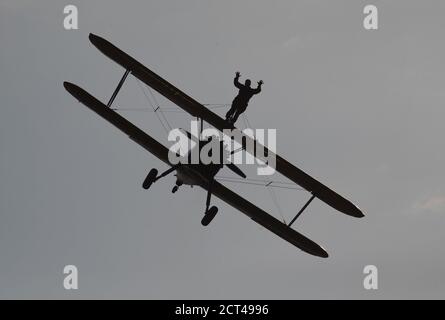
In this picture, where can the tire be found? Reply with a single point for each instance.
(150, 179)
(209, 216)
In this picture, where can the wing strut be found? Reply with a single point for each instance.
(119, 86)
(301, 210)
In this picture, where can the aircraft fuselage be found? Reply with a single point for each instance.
(196, 174)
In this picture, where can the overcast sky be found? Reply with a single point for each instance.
(362, 111)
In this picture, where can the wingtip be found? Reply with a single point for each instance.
(315, 249)
(352, 210)
(359, 213)
(322, 253)
(73, 90)
(69, 86)
(94, 39)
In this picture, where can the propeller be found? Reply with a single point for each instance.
(231, 166)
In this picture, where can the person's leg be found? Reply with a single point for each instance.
(229, 113)
(233, 109)
(236, 115)
(238, 112)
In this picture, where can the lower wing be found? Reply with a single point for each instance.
(220, 191)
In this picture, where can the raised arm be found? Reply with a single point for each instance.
(258, 89)
(236, 82)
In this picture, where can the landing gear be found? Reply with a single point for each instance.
(209, 213)
(176, 187)
(152, 177)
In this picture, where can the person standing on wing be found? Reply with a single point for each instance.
(239, 104)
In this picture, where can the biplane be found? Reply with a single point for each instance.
(203, 175)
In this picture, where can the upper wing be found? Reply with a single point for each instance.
(154, 81)
(120, 122)
(196, 109)
(266, 220)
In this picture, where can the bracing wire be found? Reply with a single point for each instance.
(277, 204)
(269, 185)
(154, 109)
(246, 120)
(246, 124)
(158, 107)
(163, 108)
(263, 183)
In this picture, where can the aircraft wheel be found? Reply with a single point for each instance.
(209, 215)
(175, 188)
(151, 177)
(212, 211)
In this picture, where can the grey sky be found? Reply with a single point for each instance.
(362, 111)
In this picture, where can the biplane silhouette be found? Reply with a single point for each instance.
(203, 175)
